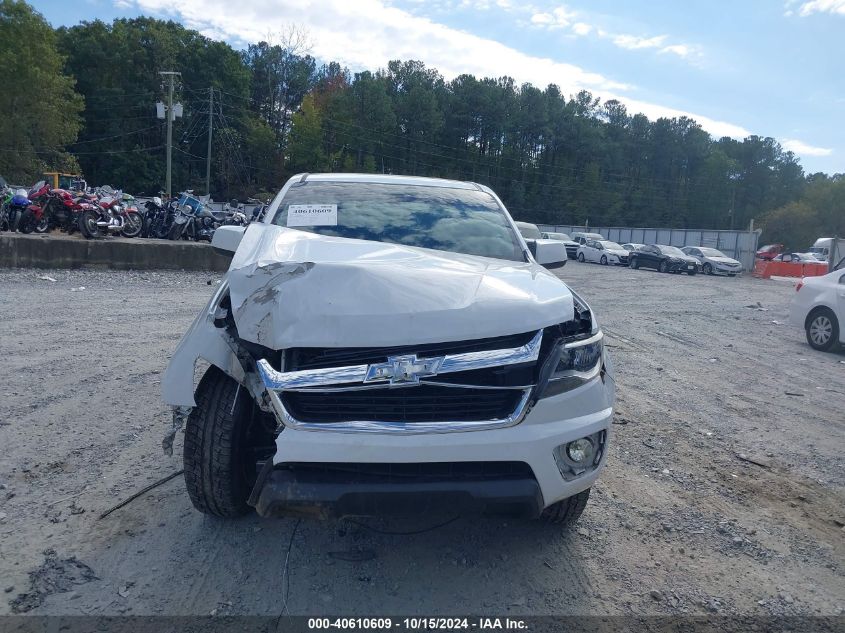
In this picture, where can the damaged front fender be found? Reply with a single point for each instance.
(202, 341)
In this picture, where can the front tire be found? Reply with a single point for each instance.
(604, 260)
(634, 263)
(707, 269)
(88, 224)
(822, 329)
(133, 224)
(581, 257)
(175, 231)
(664, 267)
(26, 224)
(217, 452)
(567, 511)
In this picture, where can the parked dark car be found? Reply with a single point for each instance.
(666, 259)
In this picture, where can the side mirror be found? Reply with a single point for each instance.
(549, 253)
(226, 239)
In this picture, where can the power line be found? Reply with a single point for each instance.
(59, 151)
(107, 138)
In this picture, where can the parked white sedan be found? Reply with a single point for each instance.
(713, 261)
(604, 252)
(819, 308)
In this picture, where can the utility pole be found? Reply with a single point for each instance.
(171, 75)
(208, 160)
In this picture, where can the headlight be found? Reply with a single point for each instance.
(579, 361)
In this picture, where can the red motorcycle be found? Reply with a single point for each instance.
(61, 209)
(34, 218)
(109, 216)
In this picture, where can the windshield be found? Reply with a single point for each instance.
(672, 250)
(816, 249)
(529, 231)
(447, 219)
(611, 246)
(711, 252)
(559, 236)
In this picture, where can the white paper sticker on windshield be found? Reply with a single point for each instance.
(312, 215)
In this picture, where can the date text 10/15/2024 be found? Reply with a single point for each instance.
(419, 623)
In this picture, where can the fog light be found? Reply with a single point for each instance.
(580, 451)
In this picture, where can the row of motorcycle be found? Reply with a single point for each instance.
(106, 211)
(188, 218)
(99, 212)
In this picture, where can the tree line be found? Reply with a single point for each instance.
(89, 104)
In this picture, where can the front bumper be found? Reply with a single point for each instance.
(552, 422)
(336, 494)
(721, 269)
(683, 267)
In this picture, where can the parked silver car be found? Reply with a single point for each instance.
(713, 261)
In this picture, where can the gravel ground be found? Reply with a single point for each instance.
(707, 369)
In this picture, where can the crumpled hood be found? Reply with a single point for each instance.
(291, 288)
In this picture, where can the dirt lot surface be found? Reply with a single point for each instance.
(707, 370)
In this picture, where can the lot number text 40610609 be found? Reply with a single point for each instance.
(419, 623)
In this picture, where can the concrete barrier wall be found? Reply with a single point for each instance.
(766, 269)
(61, 251)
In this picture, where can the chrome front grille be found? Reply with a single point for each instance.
(410, 391)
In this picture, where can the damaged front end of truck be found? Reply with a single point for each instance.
(356, 377)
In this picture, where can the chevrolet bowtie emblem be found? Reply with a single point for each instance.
(404, 369)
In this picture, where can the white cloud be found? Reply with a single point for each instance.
(799, 147)
(681, 50)
(632, 42)
(836, 7)
(366, 34)
(580, 28)
(557, 18)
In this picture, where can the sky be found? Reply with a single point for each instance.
(765, 67)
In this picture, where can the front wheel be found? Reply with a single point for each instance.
(133, 224)
(581, 257)
(88, 224)
(822, 330)
(567, 511)
(634, 263)
(175, 231)
(42, 225)
(223, 442)
(664, 267)
(27, 222)
(707, 269)
(603, 260)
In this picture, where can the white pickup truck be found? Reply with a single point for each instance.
(391, 345)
